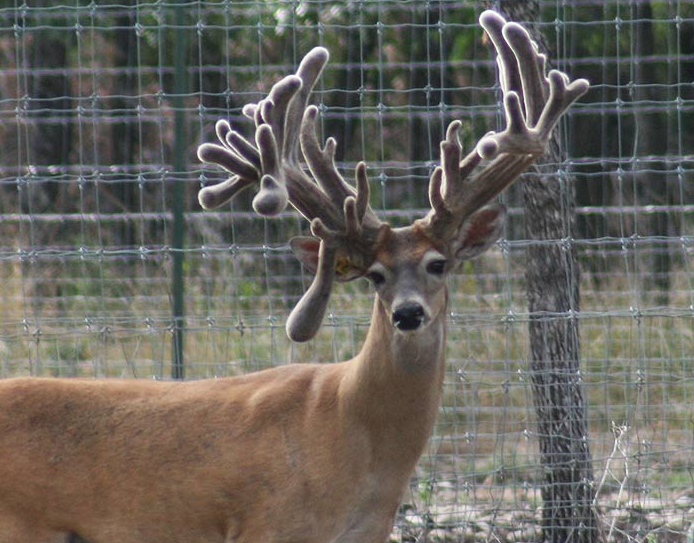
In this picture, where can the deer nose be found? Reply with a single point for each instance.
(408, 316)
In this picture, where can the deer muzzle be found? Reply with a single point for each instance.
(409, 316)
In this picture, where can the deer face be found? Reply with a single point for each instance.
(409, 268)
(409, 276)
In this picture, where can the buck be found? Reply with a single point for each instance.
(303, 453)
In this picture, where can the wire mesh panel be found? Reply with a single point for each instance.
(89, 124)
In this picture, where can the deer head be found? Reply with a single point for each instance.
(349, 240)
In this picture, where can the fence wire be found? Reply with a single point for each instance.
(88, 164)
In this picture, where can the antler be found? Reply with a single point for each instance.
(532, 104)
(341, 218)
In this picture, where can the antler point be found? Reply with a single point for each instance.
(514, 31)
(206, 199)
(320, 52)
(490, 19)
(201, 152)
(222, 128)
(249, 110)
(452, 130)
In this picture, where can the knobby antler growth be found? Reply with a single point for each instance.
(340, 215)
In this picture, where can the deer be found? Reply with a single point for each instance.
(299, 453)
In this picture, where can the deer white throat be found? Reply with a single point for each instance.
(420, 350)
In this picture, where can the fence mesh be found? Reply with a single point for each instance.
(89, 121)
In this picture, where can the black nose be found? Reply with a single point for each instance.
(408, 317)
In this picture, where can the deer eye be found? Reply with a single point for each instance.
(436, 267)
(376, 278)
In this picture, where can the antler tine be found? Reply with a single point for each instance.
(533, 105)
(531, 66)
(509, 77)
(309, 70)
(562, 94)
(521, 65)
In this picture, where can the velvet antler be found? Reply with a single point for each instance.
(533, 105)
(285, 132)
(340, 216)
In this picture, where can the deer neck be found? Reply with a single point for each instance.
(411, 356)
(394, 384)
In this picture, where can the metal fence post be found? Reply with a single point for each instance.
(178, 285)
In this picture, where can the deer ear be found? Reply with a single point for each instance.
(306, 248)
(479, 232)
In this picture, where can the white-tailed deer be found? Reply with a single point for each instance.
(301, 453)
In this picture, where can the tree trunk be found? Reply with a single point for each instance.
(552, 274)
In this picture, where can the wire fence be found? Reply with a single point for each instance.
(97, 172)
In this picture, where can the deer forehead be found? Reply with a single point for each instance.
(403, 246)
